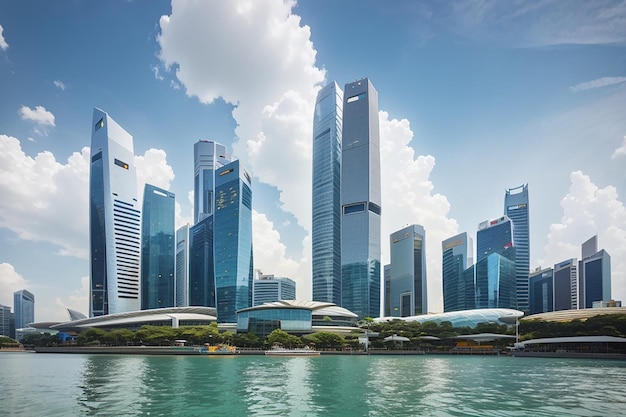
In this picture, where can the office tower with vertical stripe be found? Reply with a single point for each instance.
(458, 279)
(208, 156)
(516, 208)
(408, 292)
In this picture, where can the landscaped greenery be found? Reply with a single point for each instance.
(604, 325)
(7, 342)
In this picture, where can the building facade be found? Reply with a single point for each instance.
(516, 208)
(541, 286)
(268, 288)
(566, 285)
(594, 271)
(387, 290)
(326, 226)
(157, 248)
(181, 271)
(201, 290)
(495, 265)
(360, 200)
(233, 241)
(23, 308)
(208, 156)
(114, 220)
(458, 279)
(408, 293)
(7, 322)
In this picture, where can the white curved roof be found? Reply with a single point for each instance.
(575, 339)
(465, 317)
(318, 308)
(582, 314)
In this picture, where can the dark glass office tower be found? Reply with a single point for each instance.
(23, 308)
(566, 285)
(408, 290)
(157, 248)
(114, 220)
(458, 279)
(233, 241)
(594, 275)
(326, 226)
(516, 209)
(360, 200)
(201, 264)
(495, 265)
(541, 286)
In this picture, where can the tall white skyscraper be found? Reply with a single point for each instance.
(114, 220)
(208, 156)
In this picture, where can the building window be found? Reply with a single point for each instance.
(354, 208)
(121, 164)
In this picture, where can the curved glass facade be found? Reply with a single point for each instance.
(326, 226)
(467, 318)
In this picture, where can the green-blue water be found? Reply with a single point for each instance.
(114, 385)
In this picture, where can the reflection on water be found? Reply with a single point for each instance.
(112, 385)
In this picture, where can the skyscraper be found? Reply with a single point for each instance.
(408, 295)
(157, 248)
(23, 308)
(233, 241)
(114, 220)
(326, 227)
(360, 200)
(458, 279)
(268, 288)
(201, 264)
(181, 277)
(541, 287)
(7, 322)
(516, 209)
(387, 290)
(565, 285)
(208, 156)
(495, 265)
(594, 274)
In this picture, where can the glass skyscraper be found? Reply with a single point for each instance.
(360, 200)
(7, 322)
(157, 248)
(114, 220)
(458, 279)
(268, 288)
(566, 285)
(541, 286)
(516, 209)
(408, 295)
(23, 308)
(208, 156)
(326, 227)
(181, 273)
(201, 264)
(495, 265)
(233, 241)
(594, 275)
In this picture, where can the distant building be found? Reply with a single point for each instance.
(157, 248)
(387, 294)
(516, 208)
(408, 295)
(114, 220)
(458, 278)
(268, 288)
(201, 264)
(566, 285)
(7, 322)
(541, 291)
(181, 274)
(360, 200)
(23, 308)
(233, 241)
(208, 157)
(495, 265)
(594, 279)
(606, 304)
(326, 226)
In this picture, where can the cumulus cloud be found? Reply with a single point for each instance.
(589, 210)
(60, 84)
(3, 43)
(152, 168)
(620, 151)
(10, 281)
(78, 300)
(273, 102)
(39, 115)
(408, 197)
(597, 83)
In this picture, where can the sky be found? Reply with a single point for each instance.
(475, 97)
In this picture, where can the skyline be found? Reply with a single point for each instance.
(528, 93)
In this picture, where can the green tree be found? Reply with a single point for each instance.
(327, 340)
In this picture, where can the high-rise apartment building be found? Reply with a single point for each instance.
(326, 226)
(181, 272)
(541, 287)
(495, 264)
(408, 295)
(360, 200)
(201, 264)
(565, 285)
(23, 308)
(268, 288)
(114, 220)
(208, 157)
(157, 248)
(594, 274)
(458, 278)
(516, 209)
(233, 241)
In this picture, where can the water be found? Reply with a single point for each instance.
(116, 385)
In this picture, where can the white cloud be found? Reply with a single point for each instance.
(157, 72)
(79, 300)
(10, 281)
(60, 84)
(3, 43)
(589, 210)
(408, 198)
(620, 151)
(152, 168)
(600, 82)
(39, 115)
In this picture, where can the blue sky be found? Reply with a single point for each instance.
(475, 97)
